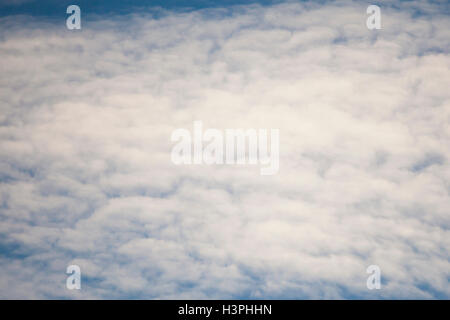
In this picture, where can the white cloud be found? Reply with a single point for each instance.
(86, 175)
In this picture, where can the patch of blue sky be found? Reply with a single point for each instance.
(53, 8)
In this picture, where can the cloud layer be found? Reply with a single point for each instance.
(86, 176)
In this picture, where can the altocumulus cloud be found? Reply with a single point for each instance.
(86, 176)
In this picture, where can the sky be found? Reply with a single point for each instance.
(86, 176)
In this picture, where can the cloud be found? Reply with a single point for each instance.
(86, 177)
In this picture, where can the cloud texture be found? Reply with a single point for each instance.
(86, 177)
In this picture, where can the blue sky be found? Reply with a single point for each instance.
(86, 175)
(54, 7)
